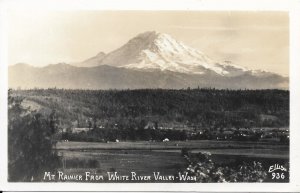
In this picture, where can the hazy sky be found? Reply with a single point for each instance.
(257, 40)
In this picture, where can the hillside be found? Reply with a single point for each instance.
(203, 108)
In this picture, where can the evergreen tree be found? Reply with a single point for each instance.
(30, 151)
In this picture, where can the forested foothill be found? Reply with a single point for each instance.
(156, 114)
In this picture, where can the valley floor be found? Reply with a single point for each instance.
(144, 157)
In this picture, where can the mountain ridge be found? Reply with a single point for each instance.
(148, 60)
(109, 77)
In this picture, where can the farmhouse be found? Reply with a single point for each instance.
(79, 130)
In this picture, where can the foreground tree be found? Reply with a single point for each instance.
(30, 151)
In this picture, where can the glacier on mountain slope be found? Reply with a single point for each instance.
(159, 51)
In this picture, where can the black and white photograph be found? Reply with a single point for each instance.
(148, 97)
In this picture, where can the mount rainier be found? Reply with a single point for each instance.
(149, 60)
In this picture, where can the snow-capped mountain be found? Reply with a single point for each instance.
(152, 50)
(149, 60)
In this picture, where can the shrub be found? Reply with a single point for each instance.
(205, 170)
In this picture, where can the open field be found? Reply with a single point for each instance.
(124, 162)
(260, 149)
(145, 157)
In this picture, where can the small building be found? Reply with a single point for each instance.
(79, 130)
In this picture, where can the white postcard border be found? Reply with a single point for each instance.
(293, 7)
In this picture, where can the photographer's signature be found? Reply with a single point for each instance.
(275, 167)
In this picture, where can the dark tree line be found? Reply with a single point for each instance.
(127, 134)
(203, 107)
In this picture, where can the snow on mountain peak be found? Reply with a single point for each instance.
(153, 50)
(161, 51)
